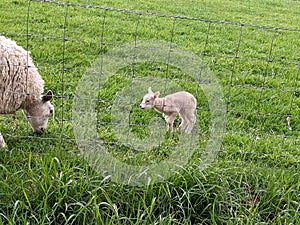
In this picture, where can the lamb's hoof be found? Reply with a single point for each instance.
(2, 142)
(3, 145)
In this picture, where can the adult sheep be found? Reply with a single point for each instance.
(21, 87)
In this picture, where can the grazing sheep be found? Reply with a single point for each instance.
(182, 103)
(21, 87)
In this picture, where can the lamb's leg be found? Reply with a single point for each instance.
(170, 120)
(191, 123)
(184, 121)
(2, 142)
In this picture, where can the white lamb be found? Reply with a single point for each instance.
(182, 103)
(21, 87)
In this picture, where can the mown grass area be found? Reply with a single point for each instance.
(252, 48)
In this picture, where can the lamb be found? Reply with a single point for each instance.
(21, 87)
(182, 103)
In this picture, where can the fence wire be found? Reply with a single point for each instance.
(257, 65)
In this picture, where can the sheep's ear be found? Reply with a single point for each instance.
(156, 94)
(150, 91)
(47, 97)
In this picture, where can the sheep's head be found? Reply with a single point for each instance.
(149, 99)
(38, 113)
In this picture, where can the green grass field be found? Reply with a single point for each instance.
(251, 47)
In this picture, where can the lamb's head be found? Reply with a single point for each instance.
(149, 99)
(38, 113)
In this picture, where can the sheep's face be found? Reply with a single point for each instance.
(149, 100)
(38, 114)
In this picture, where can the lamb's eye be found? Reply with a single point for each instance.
(51, 111)
(147, 101)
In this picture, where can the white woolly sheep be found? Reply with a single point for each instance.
(182, 103)
(21, 87)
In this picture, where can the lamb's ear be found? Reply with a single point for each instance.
(156, 94)
(47, 97)
(150, 91)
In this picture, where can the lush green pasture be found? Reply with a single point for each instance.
(251, 47)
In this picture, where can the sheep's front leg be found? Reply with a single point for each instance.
(2, 142)
(170, 120)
